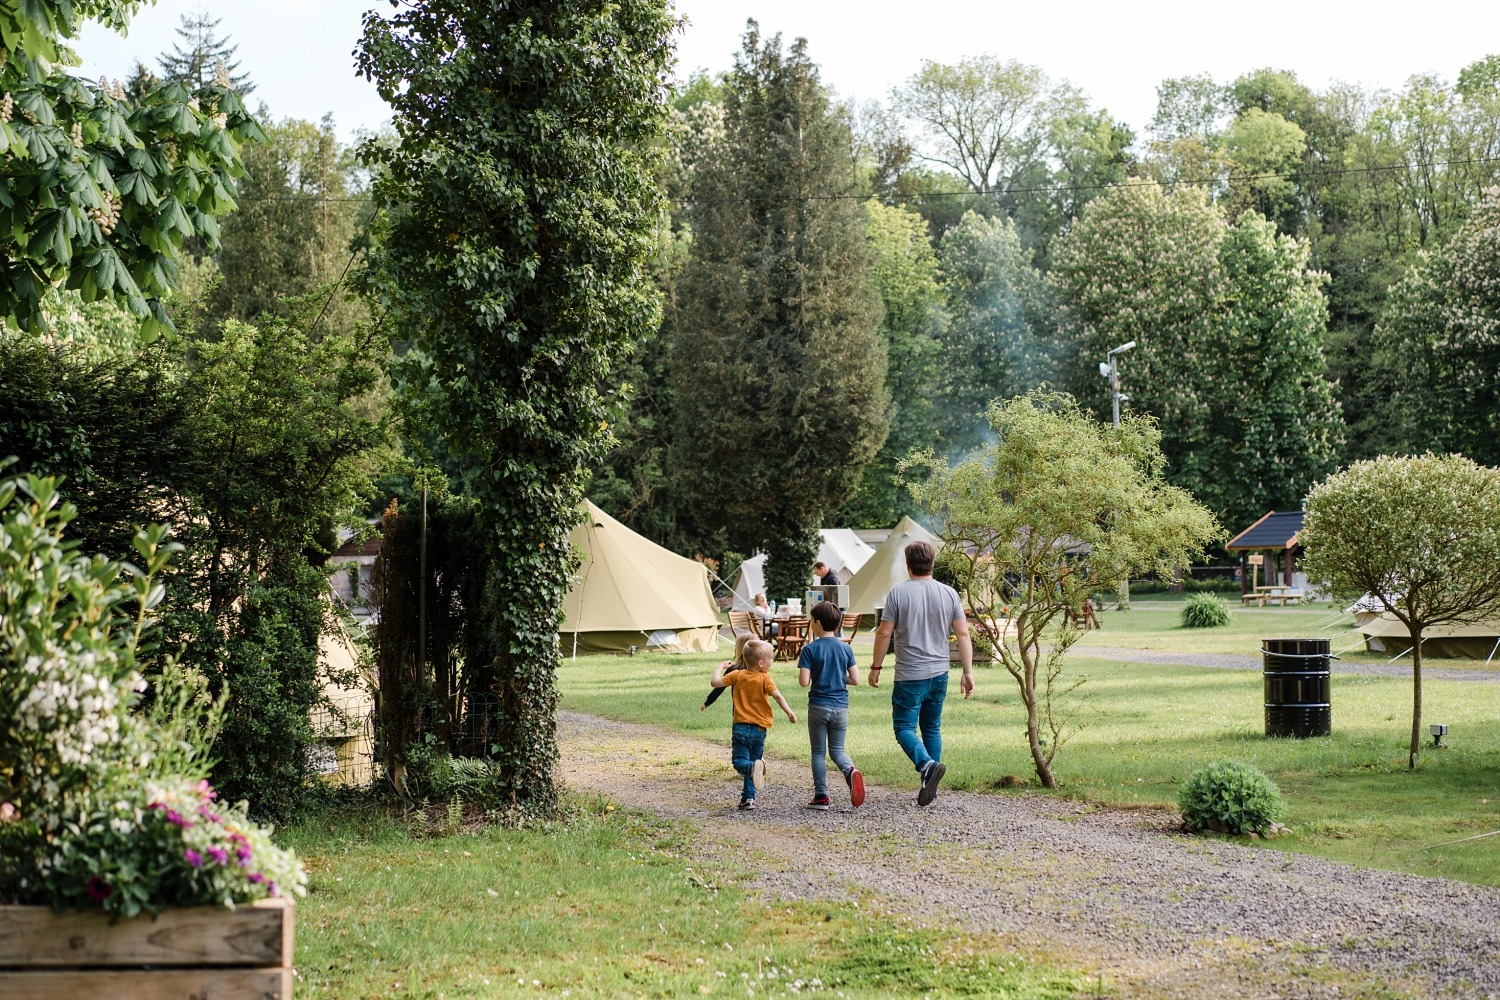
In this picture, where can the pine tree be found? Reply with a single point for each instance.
(203, 56)
(778, 361)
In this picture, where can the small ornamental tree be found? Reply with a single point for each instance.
(1057, 507)
(1421, 535)
(98, 191)
(520, 212)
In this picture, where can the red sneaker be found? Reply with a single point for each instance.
(822, 802)
(856, 787)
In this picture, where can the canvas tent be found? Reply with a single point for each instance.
(629, 591)
(840, 548)
(1384, 633)
(886, 567)
(843, 551)
(344, 728)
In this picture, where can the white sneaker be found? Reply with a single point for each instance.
(758, 775)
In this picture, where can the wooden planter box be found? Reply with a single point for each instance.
(202, 953)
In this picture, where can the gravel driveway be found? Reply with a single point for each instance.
(1144, 910)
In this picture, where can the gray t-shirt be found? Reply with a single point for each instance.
(924, 612)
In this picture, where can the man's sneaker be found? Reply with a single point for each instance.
(746, 802)
(822, 802)
(931, 775)
(758, 775)
(856, 787)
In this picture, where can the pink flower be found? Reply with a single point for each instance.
(243, 853)
(219, 855)
(256, 877)
(206, 790)
(173, 816)
(273, 889)
(193, 858)
(8, 813)
(98, 889)
(209, 814)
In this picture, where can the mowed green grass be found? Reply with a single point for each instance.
(1143, 729)
(1153, 623)
(604, 905)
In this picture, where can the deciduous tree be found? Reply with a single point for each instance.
(1059, 507)
(1419, 535)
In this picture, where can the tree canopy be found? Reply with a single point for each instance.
(1420, 536)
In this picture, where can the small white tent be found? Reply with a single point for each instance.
(748, 580)
(629, 591)
(843, 551)
(886, 567)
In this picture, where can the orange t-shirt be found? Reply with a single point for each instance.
(752, 696)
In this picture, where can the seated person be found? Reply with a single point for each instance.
(762, 610)
(825, 576)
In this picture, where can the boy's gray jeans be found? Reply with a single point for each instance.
(827, 727)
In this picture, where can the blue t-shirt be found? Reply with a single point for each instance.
(827, 659)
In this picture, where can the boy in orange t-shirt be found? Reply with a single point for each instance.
(752, 695)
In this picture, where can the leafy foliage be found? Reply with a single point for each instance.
(100, 192)
(778, 364)
(1204, 611)
(1419, 535)
(103, 801)
(1228, 323)
(520, 209)
(1232, 797)
(1015, 518)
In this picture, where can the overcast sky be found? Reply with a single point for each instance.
(298, 51)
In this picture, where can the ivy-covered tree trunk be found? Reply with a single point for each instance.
(519, 211)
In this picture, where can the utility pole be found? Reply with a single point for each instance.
(1110, 369)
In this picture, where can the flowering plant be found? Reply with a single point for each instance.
(103, 801)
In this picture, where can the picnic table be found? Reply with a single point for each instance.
(1280, 594)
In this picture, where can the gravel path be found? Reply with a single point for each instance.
(1146, 911)
(1235, 661)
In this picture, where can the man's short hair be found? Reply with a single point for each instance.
(820, 566)
(828, 615)
(919, 558)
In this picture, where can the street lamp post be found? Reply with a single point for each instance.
(1110, 369)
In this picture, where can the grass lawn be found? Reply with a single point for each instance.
(1153, 623)
(606, 905)
(1148, 726)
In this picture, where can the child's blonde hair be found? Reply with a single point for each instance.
(740, 641)
(757, 655)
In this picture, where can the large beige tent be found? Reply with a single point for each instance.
(1384, 633)
(887, 567)
(629, 591)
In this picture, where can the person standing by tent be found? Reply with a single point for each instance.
(916, 620)
(825, 576)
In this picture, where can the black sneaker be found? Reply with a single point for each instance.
(822, 802)
(931, 775)
(746, 802)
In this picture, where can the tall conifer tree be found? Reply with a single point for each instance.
(779, 364)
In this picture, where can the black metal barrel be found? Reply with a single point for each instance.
(1299, 687)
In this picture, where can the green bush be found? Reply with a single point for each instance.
(1230, 797)
(1204, 611)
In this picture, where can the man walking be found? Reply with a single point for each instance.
(918, 616)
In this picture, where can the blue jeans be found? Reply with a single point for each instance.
(919, 704)
(827, 725)
(749, 742)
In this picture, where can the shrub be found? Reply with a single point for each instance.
(103, 799)
(1230, 797)
(1204, 611)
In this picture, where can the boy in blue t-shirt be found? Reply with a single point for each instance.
(826, 667)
